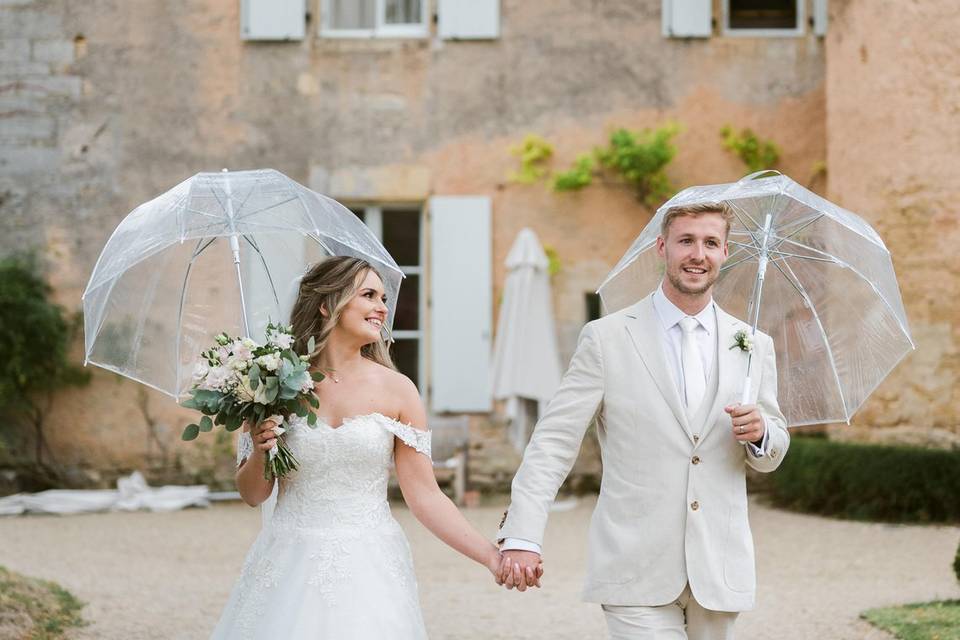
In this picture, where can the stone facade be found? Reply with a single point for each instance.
(104, 105)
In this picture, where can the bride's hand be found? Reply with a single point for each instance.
(263, 436)
(494, 563)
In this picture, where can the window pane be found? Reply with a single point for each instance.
(592, 301)
(408, 305)
(352, 14)
(763, 14)
(401, 236)
(403, 12)
(406, 355)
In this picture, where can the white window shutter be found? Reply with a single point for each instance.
(461, 300)
(820, 17)
(469, 19)
(687, 18)
(273, 19)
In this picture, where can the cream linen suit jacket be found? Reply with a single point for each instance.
(672, 508)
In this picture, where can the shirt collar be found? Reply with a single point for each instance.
(670, 314)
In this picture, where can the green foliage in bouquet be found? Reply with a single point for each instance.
(239, 380)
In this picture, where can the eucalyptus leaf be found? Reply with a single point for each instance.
(317, 376)
(254, 377)
(311, 344)
(206, 424)
(190, 432)
(314, 401)
(312, 419)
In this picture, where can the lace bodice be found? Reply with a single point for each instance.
(343, 474)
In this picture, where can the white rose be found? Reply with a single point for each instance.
(237, 363)
(270, 361)
(243, 390)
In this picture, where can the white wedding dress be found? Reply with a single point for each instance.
(332, 563)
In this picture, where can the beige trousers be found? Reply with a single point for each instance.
(683, 619)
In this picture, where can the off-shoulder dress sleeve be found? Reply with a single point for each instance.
(410, 436)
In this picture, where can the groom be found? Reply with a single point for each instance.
(670, 550)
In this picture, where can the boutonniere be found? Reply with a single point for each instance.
(741, 340)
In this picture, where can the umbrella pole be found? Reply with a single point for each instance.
(235, 249)
(755, 302)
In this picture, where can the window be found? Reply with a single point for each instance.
(375, 19)
(763, 17)
(592, 303)
(400, 231)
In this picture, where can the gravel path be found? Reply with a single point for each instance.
(147, 576)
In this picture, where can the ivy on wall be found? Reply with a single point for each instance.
(756, 153)
(636, 159)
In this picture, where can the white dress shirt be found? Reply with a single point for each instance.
(706, 335)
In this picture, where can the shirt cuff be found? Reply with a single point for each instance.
(516, 544)
(761, 451)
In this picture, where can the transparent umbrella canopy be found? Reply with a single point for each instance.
(814, 276)
(219, 252)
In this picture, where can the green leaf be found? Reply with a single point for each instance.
(254, 377)
(301, 411)
(314, 401)
(317, 376)
(311, 345)
(191, 403)
(190, 432)
(312, 419)
(233, 421)
(206, 424)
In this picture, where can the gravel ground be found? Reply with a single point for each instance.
(147, 575)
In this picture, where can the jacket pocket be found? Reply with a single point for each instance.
(739, 571)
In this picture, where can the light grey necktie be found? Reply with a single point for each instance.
(694, 380)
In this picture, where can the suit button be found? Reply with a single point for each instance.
(694, 505)
(696, 439)
(695, 460)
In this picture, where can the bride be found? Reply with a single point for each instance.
(332, 562)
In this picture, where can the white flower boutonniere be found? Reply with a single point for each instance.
(741, 340)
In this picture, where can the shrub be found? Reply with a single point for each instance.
(869, 482)
(534, 153)
(35, 338)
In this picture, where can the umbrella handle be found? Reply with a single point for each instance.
(745, 396)
(757, 174)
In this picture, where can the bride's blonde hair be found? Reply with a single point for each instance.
(331, 284)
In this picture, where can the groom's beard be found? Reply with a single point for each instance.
(676, 280)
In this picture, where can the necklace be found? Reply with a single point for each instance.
(332, 374)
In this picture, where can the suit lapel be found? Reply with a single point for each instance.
(647, 336)
(731, 367)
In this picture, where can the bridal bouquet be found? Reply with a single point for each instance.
(238, 379)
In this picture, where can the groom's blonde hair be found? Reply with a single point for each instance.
(696, 210)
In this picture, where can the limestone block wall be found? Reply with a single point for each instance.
(105, 104)
(893, 139)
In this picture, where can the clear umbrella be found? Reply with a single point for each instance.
(218, 252)
(814, 276)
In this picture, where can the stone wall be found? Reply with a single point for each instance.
(105, 104)
(893, 138)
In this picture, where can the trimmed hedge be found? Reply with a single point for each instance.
(869, 482)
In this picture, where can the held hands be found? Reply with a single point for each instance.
(520, 569)
(748, 425)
